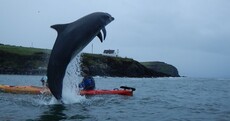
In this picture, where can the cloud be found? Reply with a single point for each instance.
(187, 34)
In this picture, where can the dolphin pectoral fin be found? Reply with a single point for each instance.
(100, 36)
(59, 27)
(104, 32)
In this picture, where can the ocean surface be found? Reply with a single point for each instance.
(155, 99)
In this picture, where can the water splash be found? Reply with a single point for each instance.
(70, 92)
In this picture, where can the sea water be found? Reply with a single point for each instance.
(155, 99)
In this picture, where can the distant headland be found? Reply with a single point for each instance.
(33, 61)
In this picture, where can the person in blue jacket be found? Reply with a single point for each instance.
(88, 82)
(44, 81)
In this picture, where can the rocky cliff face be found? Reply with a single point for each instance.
(12, 61)
(162, 67)
(24, 60)
(116, 67)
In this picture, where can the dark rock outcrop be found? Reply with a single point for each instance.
(162, 67)
(100, 65)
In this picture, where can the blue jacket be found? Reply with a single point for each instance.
(88, 83)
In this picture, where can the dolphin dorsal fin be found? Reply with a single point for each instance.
(59, 27)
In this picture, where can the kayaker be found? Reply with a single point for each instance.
(88, 82)
(45, 85)
(44, 81)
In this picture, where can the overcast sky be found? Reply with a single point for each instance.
(192, 35)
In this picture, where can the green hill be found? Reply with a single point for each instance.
(26, 60)
(23, 51)
(23, 60)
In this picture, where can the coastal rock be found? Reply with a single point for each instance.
(100, 65)
(162, 67)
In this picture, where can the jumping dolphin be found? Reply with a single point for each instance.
(71, 39)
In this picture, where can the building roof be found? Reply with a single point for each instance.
(109, 51)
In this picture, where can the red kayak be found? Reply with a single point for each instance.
(128, 91)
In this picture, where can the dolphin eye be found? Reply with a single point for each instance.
(106, 17)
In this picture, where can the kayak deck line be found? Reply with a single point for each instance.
(127, 91)
(101, 92)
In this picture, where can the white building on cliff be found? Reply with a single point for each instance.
(111, 53)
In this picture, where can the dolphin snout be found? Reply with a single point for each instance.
(111, 18)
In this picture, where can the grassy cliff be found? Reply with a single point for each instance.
(26, 60)
(23, 60)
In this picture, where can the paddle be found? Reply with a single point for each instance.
(129, 88)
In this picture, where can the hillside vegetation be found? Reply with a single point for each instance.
(25, 60)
